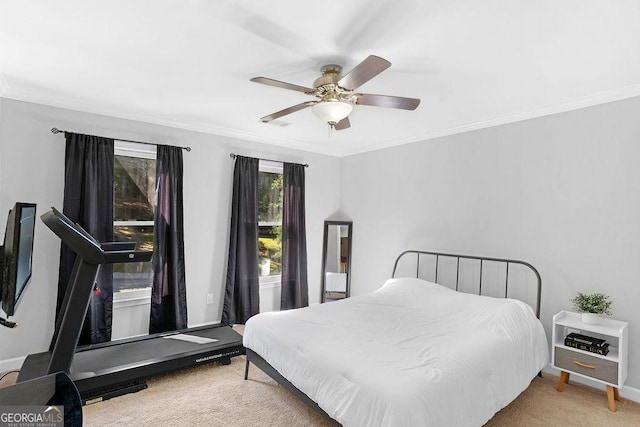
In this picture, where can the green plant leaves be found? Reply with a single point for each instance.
(592, 303)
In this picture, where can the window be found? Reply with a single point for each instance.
(134, 192)
(270, 221)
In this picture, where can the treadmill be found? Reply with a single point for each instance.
(105, 370)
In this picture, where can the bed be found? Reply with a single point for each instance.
(413, 352)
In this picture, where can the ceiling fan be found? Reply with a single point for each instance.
(335, 93)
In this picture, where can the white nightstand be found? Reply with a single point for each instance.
(610, 370)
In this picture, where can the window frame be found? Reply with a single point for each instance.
(270, 167)
(141, 151)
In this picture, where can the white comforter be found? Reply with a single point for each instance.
(412, 353)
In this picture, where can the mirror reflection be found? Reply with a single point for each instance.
(336, 260)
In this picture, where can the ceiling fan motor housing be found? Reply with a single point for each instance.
(326, 86)
(331, 73)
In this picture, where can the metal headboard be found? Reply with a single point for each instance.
(478, 258)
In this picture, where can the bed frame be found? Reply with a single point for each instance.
(257, 360)
(506, 262)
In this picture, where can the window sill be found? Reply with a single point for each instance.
(132, 298)
(270, 282)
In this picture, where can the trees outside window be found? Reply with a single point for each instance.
(270, 221)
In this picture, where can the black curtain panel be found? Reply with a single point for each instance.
(88, 201)
(169, 295)
(241, 299)
(295, 289)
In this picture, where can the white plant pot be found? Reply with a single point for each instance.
(590, 318)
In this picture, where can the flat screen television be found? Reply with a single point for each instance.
(16, 254)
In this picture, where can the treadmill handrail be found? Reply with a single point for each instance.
(118, 246)
(113, 257)
(87, 249)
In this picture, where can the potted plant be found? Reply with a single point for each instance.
(592, 306)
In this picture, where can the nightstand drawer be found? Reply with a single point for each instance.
(594, 367)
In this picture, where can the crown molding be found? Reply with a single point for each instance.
(81, 106)
(84, 107)
(583, 102)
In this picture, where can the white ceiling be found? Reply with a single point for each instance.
(187, 64)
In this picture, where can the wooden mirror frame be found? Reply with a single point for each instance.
(349, 225)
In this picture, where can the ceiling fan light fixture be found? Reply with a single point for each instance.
(332, 111)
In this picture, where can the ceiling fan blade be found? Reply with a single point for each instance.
(343, 124)
(375, 23)
(363, 72)
(387, 101)
(286, 111)
(283, 85)
(269, 29)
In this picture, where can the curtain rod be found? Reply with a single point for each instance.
(56, 131)
(234, 155)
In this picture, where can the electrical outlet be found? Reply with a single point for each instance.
(209, 299)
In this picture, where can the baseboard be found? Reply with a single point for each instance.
(11, 364)
(626, 392)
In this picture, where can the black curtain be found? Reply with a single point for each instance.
(88, 201)
(295, 289)
(241, 298)
(169, 295)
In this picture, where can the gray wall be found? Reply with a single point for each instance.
(562, 192)
(32, 169)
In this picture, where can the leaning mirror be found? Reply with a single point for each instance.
(336, 260)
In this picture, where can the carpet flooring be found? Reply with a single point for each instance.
(217, 395)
